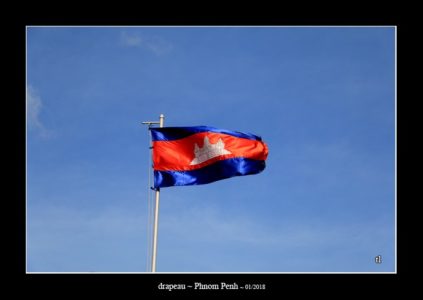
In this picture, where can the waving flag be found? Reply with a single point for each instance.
(203, 154)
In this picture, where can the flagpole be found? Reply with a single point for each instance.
(156, 217)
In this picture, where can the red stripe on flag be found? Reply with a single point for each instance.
(179, 155)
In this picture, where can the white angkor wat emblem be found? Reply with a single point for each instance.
(208, 151)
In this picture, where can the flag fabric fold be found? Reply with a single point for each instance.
(203, 154)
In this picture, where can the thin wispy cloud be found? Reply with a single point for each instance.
(158, 45)
(288, 241)
(34, 108)
(131, 40)
(154, 44)
(247, 230)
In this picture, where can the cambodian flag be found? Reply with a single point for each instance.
(203, 154)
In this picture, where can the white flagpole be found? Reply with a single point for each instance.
(156, 218)
(156, 208)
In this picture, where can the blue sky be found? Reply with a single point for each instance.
(322, 98)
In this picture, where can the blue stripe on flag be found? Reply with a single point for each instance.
(176, 133)
(220, 170)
